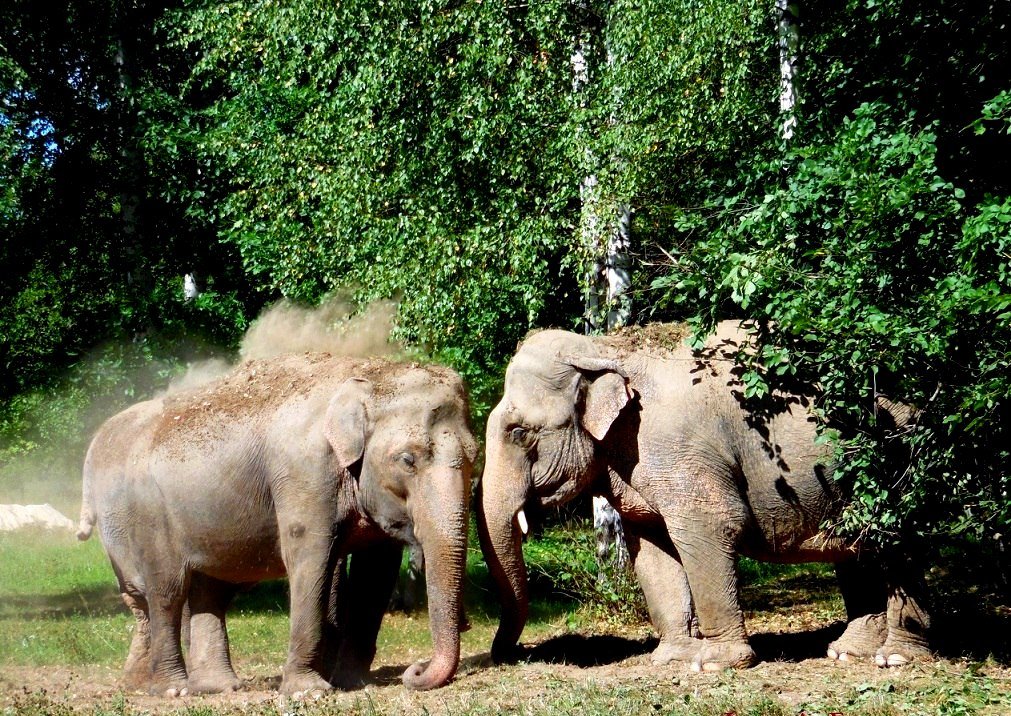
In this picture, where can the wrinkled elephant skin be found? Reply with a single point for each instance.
(309, 466)
(699, 475)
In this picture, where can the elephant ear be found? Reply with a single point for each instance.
(607, 392)
(345, 421)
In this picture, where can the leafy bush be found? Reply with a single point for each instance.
(868, 276)
(561, 562)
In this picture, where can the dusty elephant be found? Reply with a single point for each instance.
(699, 477)
(316, 467)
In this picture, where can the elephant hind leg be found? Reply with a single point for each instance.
(862, 638)
(865, 595)
(908, 624)
(209, 660)
(165, 609)
(137, 671)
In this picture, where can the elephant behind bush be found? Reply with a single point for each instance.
(699, 475)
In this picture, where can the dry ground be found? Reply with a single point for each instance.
(588, 661)
(575, 673)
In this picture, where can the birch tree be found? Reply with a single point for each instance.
(788, 41)
(605, 237)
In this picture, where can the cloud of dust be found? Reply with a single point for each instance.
(285, 327)
(198, 373)
(332, 327)
(51, 473)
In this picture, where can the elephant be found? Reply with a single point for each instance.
(316, 467)
(699, 475)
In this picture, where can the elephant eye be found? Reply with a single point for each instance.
(519, 435)
(407, 459)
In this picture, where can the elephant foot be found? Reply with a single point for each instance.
(861, 640)
(677, 648)
(210, 684)
(352, 666)
(895, 653)
(301, 683)
(349, 678)
(137, 680)
(169, 689)
(717, 656)
(348, 682)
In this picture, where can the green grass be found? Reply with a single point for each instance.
(58, 602)
(60, 614)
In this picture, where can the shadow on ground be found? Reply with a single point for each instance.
(93, 602)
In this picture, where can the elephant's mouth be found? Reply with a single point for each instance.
(530, 515)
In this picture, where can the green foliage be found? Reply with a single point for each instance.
(561, 562)
(867, 275)
(694, 83)
(416, 151)
(91, 253)
(433, 152)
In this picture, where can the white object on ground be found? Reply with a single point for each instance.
(15, 517)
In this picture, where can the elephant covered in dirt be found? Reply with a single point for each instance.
(310, 466)
(699, 476)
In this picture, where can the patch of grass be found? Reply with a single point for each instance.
(562, 568)
(58, 601)
(53, 572)
(60, 614)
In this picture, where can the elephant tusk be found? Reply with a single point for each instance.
(522, 519)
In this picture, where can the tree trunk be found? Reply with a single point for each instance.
(604, 234)
(789, 41)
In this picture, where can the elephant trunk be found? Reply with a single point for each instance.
(444, 541)
(501, 500)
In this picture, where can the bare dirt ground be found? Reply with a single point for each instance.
(599, 667)
(572, 672)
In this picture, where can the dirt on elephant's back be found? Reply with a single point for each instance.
(656, 338)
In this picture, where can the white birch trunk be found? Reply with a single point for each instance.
(190, 288)
(789, 41)
(604, 233)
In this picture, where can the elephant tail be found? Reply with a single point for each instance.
(87, 523)
(88, 515)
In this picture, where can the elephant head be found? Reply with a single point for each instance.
(561, 397)
(408, 444)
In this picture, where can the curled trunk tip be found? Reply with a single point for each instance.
(420, 677)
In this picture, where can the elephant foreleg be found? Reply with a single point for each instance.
(668, 596)
(307, 558)
(712, 576)
(908, 618)
(863, 591)
(209, 661)
(372, 575)
(332, 626)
